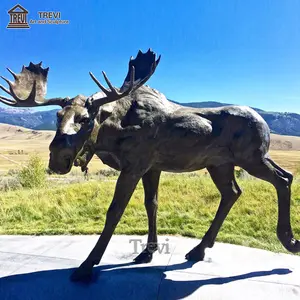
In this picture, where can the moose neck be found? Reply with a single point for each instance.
(85, 155)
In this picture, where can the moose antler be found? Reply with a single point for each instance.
(113, 94)
(29, 88)
(145, 65)
(140, 70)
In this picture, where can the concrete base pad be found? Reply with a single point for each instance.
(39, 268)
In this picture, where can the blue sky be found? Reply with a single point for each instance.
(241, 52)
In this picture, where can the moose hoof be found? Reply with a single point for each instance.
(195, 254)
(144, 257)
(82, 274)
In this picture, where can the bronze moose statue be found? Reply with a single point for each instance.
(136, 130)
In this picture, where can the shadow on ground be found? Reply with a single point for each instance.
(113, 282)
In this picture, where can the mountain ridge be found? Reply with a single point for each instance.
(283, 123)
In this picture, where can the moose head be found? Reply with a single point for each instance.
(75, 120)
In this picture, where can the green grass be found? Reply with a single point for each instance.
(187, 205)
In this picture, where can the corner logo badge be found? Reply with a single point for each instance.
(18, 17)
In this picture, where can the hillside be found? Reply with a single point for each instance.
(11, 133)
(279, 122)
(17, 143)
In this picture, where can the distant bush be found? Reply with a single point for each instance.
(239, 173)
(193, 174)
(12, 172)
(33, 174)
(242, 174)
(108, 172)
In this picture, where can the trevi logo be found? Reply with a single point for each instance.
(18, 18)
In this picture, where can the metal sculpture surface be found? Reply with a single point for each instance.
(136, 130)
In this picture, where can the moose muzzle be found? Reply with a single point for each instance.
(62, 154)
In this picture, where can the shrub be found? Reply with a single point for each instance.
(297, 171)
(33, 174)
(9, 184)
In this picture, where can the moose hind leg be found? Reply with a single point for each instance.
(150, 183)
(284, 173)
(268, 170)
(223, 177)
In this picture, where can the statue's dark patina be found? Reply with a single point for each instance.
(136, 130)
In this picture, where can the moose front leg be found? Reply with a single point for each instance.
(150, 183)
(124, 188)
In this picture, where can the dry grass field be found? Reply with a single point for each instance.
(17, 143)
